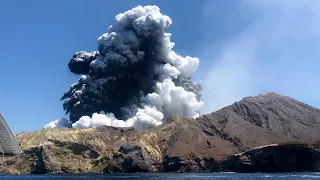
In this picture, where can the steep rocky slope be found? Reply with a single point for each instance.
(180, 145)
(267, 118)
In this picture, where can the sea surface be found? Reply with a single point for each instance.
(184, 176)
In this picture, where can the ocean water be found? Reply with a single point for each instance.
(184, 176)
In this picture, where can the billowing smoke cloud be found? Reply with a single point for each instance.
(59, 123)
(135, 76)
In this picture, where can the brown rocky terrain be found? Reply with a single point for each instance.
(208, 143)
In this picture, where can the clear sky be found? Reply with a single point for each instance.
(245, 47)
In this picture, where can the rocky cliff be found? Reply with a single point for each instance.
(288, 157)
(208, 143)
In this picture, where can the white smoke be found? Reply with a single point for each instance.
(173, 100)
(96, 120)
(59, 123)
(168, 99)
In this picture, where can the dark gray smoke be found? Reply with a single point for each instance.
(135, 75)
(80, 62)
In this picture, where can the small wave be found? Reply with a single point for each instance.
(206, 176)
(310, 176)
(267, 176)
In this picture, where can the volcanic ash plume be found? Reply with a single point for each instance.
(134, 78)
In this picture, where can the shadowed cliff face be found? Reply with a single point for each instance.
(180, 145)
(275, 158)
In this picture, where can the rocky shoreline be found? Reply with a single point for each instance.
(266, 133)
(293, 157)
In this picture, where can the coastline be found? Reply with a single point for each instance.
(247, 162)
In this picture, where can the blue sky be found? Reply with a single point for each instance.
(246, 47)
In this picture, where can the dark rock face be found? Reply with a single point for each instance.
(130, 159)
(280, 158)
(183, 144)
(171, 164)
(37, 166)
(77, 149)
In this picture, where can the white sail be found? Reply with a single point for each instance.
(8, 143)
